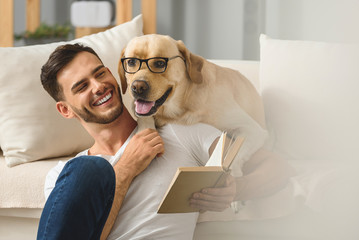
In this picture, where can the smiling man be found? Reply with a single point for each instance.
(86, 192)
(113, 189)
(107, 100)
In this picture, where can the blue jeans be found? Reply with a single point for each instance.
(80, 203)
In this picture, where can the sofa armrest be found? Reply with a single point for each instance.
(23, 186)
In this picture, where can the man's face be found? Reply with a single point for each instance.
(90, 91)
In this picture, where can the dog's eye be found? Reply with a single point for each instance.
(132, 62)
(158, 64)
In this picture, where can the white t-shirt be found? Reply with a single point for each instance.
(138, 218)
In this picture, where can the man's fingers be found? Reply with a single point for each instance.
(151, 135)
(225, 191)
(159, 149)
(209, 206)
(212, 198)
(215, 199)
(210, 202)
(154, 141)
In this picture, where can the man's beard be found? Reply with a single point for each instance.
(90, 117)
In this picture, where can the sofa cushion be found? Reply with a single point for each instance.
(249, 69)
(310, 92)
(23, 186)
(30, 127)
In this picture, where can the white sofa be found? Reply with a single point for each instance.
(309, 92)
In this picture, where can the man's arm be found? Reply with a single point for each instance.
(264, 174)
(140, 151)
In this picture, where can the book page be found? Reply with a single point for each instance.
(217, 155)
(227, 142)
(232, 152)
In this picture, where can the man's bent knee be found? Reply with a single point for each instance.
(94, 172)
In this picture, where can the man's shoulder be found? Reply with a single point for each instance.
(188, 133)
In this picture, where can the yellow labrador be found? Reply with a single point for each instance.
(171, 84)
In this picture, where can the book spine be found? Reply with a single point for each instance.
(221, 181)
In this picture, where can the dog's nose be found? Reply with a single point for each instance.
(140, 88)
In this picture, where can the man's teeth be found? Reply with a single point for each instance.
(105, 99)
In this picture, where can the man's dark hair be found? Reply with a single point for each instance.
(62, 56)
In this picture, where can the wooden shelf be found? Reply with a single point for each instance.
(33, 13)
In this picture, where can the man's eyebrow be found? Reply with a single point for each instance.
(76, 84)
(97, 68)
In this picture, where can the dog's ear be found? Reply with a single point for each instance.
(121, 73)
(194, 63)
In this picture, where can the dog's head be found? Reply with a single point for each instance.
(155, 68)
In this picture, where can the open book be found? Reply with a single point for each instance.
(188, 180)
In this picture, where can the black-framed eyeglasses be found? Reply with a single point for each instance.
(155, 64)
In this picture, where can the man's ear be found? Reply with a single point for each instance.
(64, 110)
(194, 63)
(121, 73)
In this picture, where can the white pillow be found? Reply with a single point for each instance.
(310, 92)
(30, 127)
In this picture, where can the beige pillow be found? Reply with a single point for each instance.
(30, 127)
(310, 92)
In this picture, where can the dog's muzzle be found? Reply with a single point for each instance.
(140, 88)
(148, 108)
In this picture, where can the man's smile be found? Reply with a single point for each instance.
(103, 99)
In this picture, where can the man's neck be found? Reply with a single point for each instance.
(110, 137)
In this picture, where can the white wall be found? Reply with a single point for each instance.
(210, 28)
(317, 20)
(226, 29)
(229, 29)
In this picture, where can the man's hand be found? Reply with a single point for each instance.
(215, 199)
(141, 150)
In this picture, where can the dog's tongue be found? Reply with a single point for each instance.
(143, 107)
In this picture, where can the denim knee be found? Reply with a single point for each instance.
(96, 172)
(82, 198)
(93, 164)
